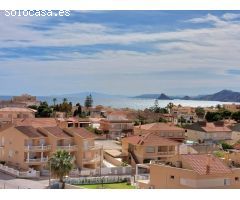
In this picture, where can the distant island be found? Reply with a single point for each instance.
(224, 96)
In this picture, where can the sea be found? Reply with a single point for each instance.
(139, 103)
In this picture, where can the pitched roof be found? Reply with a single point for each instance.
(149, 139)
(160, 127)
(209, 127)
(17, 109)
(199, 162)
(36, 122)
(30, 131)
(58, 132)
(82, 132)
(236, 127)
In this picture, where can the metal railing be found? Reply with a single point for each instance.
(68, 147)
(38, 148)
(37, 160)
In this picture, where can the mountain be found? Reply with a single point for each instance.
(164, 97)
(224, 95)
(147, 96)
(186, 98)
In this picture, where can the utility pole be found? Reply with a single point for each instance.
(101, 150)
(50, 174)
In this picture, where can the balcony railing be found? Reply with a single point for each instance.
(38, 148)
(166, 153)
(37, 160)
(68, 147)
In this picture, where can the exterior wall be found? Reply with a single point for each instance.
(116, 129)
(216, 136)
(141, 154)
(13, 151)
(16, 115)
(163, 177)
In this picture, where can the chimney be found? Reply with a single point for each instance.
(208, 164)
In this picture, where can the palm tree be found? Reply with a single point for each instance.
(65, 100)
(61, 163)
(54, 101)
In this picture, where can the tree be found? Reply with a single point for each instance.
(200, 112)
(61, 163)
(88, 101)
(65, 100)
(44, 110)
(54, 101)
(236, 116)
(213, 116)
(170, 106)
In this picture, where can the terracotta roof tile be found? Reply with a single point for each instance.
(81, 132)
(149, 139)
(30, 131)
(199, 164)
(160, 127)
(58, 132)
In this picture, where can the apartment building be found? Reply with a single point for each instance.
(26, 99)
(117, 125)
(184, 112)
(232, 107)
(12, 113)
(24, 147)
(166, 130)
(29, 147)
(206, 132)
(191, 171)
(144, 148)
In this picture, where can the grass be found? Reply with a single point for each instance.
(109, 186)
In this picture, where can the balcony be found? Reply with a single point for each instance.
(37, 148)
(166, 153)
(67, 147)
(36, 161)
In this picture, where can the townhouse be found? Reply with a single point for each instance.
(208, 132)
(27, 147)
(166, 130)
(139, 149)
(117, 125)
(191, 171)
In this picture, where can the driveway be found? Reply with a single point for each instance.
(9, 182)
(108, 144)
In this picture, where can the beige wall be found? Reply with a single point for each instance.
(196, 135)
(163, 177)
(13, 147)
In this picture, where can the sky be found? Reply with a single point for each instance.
(121, 52)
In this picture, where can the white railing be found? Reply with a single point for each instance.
(37, 160)
(27, 174)
(142, 177)
(166, 152)
(37, 148)
(68, 147)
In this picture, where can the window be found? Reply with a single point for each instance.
(162, 149)
(236, 178)
(150, 149)
(172, 177)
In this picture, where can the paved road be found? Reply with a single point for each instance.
(9, 182)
